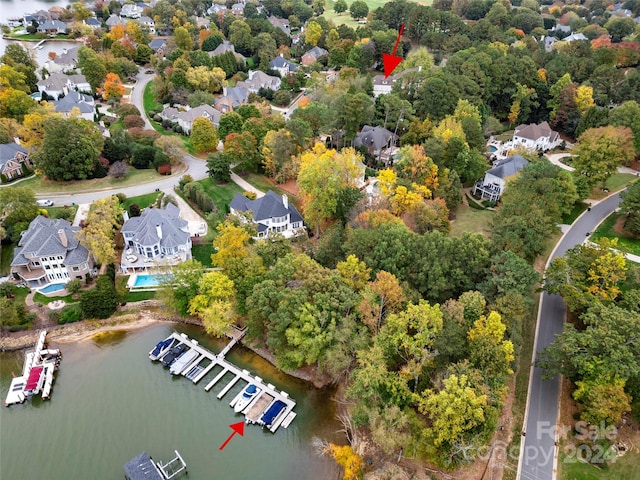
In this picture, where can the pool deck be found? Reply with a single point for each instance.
(254, 410)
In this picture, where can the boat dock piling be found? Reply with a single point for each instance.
(259, 405)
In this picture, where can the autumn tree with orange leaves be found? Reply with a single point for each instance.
(112, 89)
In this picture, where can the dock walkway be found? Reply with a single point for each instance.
(195, 372)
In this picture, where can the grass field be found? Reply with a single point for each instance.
(615, 182)
(471, 220)
(6, 255)
(143, 201)
(136, 177)
(577, 210)
(202, 253)
(624, 468)
(345, 17)
(606, 230)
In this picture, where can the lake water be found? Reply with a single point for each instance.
(110, 402)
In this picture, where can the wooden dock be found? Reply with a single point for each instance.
(269, 394)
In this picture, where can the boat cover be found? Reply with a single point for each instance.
(34, 378)
(273, 412)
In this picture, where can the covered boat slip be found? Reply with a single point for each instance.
(142, 467)
(193, 370)
(37, 373)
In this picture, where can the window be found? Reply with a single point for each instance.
(47, 267)
(76, 269)
(36, 264)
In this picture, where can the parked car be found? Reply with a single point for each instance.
(44, 203)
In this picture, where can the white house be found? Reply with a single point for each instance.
(157, 237)
(283, 66)
(258, 80)
(492, 185)
(59, 84)
(65, 62)
(84, 103)
(186, 117)
(48, 251)
(131, 11)
(382, 85)
(148, 23)
(271, 213)
(535, 137)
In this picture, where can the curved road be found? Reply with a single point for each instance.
(538, 445)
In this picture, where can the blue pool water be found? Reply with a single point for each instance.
(493, 148)
(52, 287)
(149, 280)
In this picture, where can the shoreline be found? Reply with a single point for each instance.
(132, 321)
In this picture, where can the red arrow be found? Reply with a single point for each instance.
(237, 428)
(392, 61)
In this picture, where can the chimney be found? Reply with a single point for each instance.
(63, 238)
(285, 201)
(159, 231)
(282, 55)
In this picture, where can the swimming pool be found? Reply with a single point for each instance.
(149, 281)
(51, 288)
(493, 148)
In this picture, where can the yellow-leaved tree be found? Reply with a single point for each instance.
(214, 303)
(103, 220)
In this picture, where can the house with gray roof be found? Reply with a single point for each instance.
(185, 117)
(63, 63)
(227, 46)
(312, 56)
(158, 45)
(283, 66)
(535, 137)
(14, 160)
(258, 79)
(148, 23)
(114, 20)
(131, 11)
(85, 104)
(492, 185)
(280, 23)
(93, 22)
(271, 213)
(377, 140)
(158, 237)
(53, 27)
(382, 85)
(59, 84)
(48, 252)
(232, 98)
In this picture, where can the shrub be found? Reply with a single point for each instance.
(121, 197)
(126, 109)
(134, 210)
(101, 301)
(54, 315)
(73, 286)
(184, 180)
(249, 195)
(164, 169)
(131, 121)
(119, 170)
(70, 314)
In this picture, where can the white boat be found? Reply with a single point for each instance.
(183, 362)
(248, 394)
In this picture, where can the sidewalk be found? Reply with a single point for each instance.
(246, 186)
(197, 224)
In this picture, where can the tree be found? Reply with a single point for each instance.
(119, 170)
(15, 103)
(380, 297)
(214, 303)
(70, 149)
(171, 146)
(17, 209)
(101, 301)
(230, 244)
(219, 167)
(204, 136)
(630, 206)
(207, 79)
(489, 351)
(602, 402)
(184, 39)
(584, 98)
(600, 151)
(457, 412)
(313, 33)
(359, 9)
(176, 293)
(92, 66)
(103, 219)
(230, 123)
(241, 150)
(628, 115)
(508, 273)
(340, 6)
(240, 36)
(619, 27)
(112, 88)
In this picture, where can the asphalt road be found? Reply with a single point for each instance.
(537, 452)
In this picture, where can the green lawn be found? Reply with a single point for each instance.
(136, 177)
(577, 210)
(149, 98)
(615, 182)
(43, 299)
(345, 17)
(606, 230)
(471, 220)
(143, 201)
(624, 468)
(6, 255)
(203, 253)
(127, 296)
